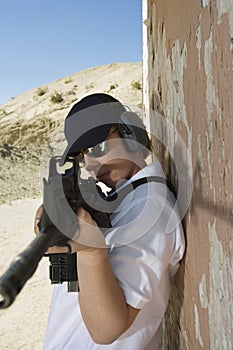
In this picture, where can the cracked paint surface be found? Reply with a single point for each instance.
(197, 326)
(220, 306)
(188, 75)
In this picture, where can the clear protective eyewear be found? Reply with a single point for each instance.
(100, 150)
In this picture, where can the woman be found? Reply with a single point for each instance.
(124, 274)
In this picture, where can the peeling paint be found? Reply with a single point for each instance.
(210, 89)
(172, 70)
(203, 292)
(185, 336)
(200, 157)
(211, 99)
(226, 7)
(208, 154)
(198, 41)
(220, 306)
(188, 78)
(205, 3)
(197, 326)
(145, 77)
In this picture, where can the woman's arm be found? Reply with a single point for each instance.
(102, 302)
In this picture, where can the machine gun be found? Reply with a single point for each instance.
(63, 194)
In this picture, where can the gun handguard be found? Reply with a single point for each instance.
(23, 267)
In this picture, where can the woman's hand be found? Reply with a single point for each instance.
(37, 219)
(88, 237)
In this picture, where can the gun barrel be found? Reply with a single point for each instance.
(23, 267)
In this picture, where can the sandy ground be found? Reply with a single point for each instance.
(22, 325)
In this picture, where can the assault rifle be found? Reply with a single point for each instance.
(63, 194)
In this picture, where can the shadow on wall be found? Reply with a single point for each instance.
(170, 339)
(201, 200)
(171, 328)
(220, 211)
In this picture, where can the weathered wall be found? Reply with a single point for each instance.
(188, 78)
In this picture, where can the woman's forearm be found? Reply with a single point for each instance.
(102, 302)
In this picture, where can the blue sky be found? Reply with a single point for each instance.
(45, 40)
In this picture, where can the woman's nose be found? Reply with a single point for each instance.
(91, 163)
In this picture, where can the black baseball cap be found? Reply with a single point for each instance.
(89, 121)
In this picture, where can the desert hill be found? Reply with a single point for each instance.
(30, 123)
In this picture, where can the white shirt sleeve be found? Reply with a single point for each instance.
(142, 251)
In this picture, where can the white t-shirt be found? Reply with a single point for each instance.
(144, 258)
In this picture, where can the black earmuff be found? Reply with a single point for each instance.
(133, 132)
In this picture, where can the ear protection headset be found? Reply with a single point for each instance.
(132, 129)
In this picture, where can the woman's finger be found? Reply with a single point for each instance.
(84, 216)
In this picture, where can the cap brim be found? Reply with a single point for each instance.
(91, 138)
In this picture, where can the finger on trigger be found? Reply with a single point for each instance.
(82, 213)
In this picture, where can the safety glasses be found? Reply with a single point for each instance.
(97, 151)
